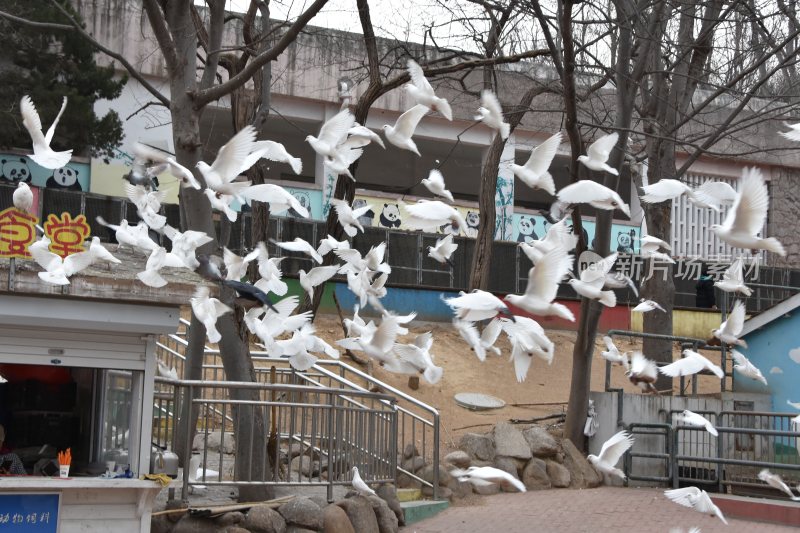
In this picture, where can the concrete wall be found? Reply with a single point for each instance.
(775, 350)
(694, 323)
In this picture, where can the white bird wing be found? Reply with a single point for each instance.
(230, 157)
(407, 122)
(52, 129)
(735, 272)
(614, 447)
(584, 191)
(596, 273)
(715, 192)
(31, 120)
(601, 148)
(542, 156)
(386, 334)
(418, 77)
(750, 207)
(735, 322)
(739, 359)
(491, 103)
(43, 256)
(136, 194)
(433, 210)
(424, 341)
(470, 334)
(692, 364)
(663, 190)
(610, 346)
(349, 255)
(436, 179)
(321, 274)
(335, 129)
(642, 366)
(74, 263)
(544, 277)
(491, 332)
(685, 496)
(297, 245)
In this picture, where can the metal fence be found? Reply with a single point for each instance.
(747, 442)
(415, 423)
(406, 251)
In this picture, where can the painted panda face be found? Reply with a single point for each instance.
(525, 226)
(66, 177)
(624, 240)
(391, 212)
(473, 219)
(16, 170)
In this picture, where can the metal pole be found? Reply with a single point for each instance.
(435, 456)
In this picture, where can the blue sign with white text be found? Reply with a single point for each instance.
(24, 513)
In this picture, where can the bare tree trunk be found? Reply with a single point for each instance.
(482, 257)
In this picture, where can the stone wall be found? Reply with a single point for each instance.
(784, 213)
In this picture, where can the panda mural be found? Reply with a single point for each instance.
(625, 241)
(65, 178)
(15, 170)
(473, 221)
(390, 216)
(527, 229)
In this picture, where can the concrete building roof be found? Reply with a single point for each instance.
(786, 307)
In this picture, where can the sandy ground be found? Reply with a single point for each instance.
(544, 392)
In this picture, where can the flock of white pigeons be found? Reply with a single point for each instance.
(341, 141)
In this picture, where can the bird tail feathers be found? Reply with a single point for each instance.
(151, 278)
(608, 298)
(433, 374)
(771, 244)
(505, 130)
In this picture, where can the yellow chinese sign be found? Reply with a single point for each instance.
(66, 234)
(18, 231)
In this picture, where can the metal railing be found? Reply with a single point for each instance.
(299, 434)
(417, 424)
(747, 442)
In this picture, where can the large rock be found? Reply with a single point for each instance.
(534, 476)
(486, 490)
(213, 442)
(160, 524)
(426, 474)
(404, 481)
(444, 493)
(303, 464)
(558, 474)
(388, 492)
(359, 511)
(233, 529)
(295, 529)
(540, 442)
(334, 520)
(506, 464)
(509, 442)
(582, 473)
(302, 512)
(387, 520)
(192, 524)
(413, 464)
(410, 451)
(477, 446)
(262, 519)
(460, 489)
(458, 458)
(229, 519)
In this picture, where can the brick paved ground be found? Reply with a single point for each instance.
(593, 511)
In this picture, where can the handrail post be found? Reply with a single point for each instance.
(187, 444)
(674, 457)
(435, 456)
(720, 453)
(331, 414)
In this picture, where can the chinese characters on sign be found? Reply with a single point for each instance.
(689, 268)
(29, 513)
(18, 231)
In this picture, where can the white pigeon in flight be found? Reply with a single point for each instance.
(592, 193)
(729, 331)
(22, 197)
(597, 155)
(543, 280)
(43, 155)
(332, 133)
(733, 279)
(612, 353)
(696, 499)
(746, 368)
(348, 217)
(691, 418)
(710, 194)
(418, 355)
(57, 270)
(649, 248)
(691, 363)
(134, 236)
(645, 306)
(342, 160)
(491, 333)
(477, 305)
(431, 215)
(400, 134)
(166, 372)
(443, 250)
(300, 245)
(486, 475)
(491, 113)
(358, 483)
(470, 334)
(208, 310)
(747, 216)
(220, 175)
(329, 243)
(148, 204)
(278, 198)
(421, 91)
(593, 278)
(558, 235)
(794, 131)
(142, 174)
(610, 454)
(185, 245)
(359, 136)
(151, 275)
(527, 339)
(272, 151)
(235, 265)
(775, 481)
(316, 276)
(435, 183)
(535, 173)
(222, 203)
(643, 372)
